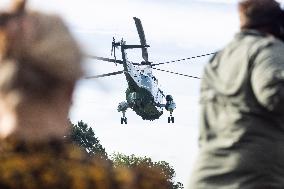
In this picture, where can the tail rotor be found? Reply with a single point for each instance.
(114, 46)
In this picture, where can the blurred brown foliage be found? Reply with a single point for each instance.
(62, 165)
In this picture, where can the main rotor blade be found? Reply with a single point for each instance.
(105, 59)
(184, 59)
(110, 60)
(185, 75)
(104, 75)
(142, 38)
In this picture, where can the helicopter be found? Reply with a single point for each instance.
(143, 94)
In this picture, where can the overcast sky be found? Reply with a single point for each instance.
(174, 29)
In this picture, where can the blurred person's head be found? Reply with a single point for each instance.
(40, 63)
(262, 15)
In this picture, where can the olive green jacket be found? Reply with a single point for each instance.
(242, 108)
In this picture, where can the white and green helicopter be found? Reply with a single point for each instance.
(143, 94)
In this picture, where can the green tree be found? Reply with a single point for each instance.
(84, 136)
(121, 160)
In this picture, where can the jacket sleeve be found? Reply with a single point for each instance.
(267, 77)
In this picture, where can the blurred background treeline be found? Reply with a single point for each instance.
(83, 135)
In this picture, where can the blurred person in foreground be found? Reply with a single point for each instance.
(242, 106)
(40, 63)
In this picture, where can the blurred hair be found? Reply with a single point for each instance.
(17, 8)
(257, 14)
(38, 56)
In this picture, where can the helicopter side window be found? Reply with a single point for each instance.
(146, 82)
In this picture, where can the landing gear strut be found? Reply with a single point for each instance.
(123, 120)
(171, 119)
(122, 107)
(170, 106)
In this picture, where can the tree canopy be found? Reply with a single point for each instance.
(132, 161)
(84, 136)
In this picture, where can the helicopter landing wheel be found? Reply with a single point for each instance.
(171, 119)
(123, 120)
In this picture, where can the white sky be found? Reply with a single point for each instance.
(174, 29)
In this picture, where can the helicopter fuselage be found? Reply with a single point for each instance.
(143, 94)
